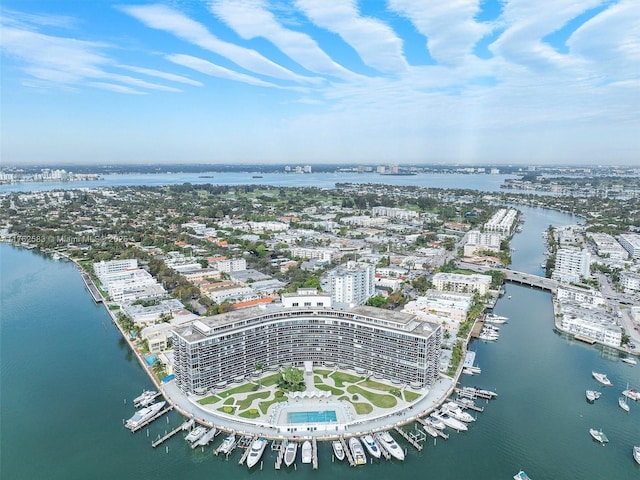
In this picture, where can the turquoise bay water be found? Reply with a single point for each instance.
(65, 375)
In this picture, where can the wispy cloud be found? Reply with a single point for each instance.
(450, 26)
(375, 42)
(208, 68)
(251, 19)
(176, 23)
(164, 75)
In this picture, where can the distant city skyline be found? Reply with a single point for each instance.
(467, 82)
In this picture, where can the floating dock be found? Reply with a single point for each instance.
(167, 436)
(314, 453)
(245, 442)
(93, 290)
(281, 452)
(148, 421)
(347, 452)
(382, 447)
(409, 438)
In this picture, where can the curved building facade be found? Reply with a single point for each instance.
(214, 351)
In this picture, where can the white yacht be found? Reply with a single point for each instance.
(257, 449)
(194, 435)
(371, 445)
(622, 402)
(227, 444)
(456, 412)
(338, 451)
(630, 360)
(290, 453)
(631, 393)
(435, 422)
(307, 450)
(145, 398)
(206, 438)
(451, 422)
(602, 378)
(391, 445)
(431, 430)
(593, 395)
(143, 415)
(636, 454)
(357, 451)
(495, 319)
(598, 435)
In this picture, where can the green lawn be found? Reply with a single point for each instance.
(246, 403)
(244, 388)
(322, 372)
(230, 401)
(228, 409)
(329, 388)
(379, 400)
(209, 400)
(271, 380)
(251, 413)
(340, 378)
(360, 408)
(411, 396)
(264, 406)
(373, 385)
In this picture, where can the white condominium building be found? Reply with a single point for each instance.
(391, 212)
(607, 246)
(456, 282)
(631, 243)
(213, 351)
(571, 265)
(478, 241)
(103, 268)
(230, 265)
(590, 322)
(324, 254)
(630, 281)
(352, 284)
(580, 295)
(502, 221)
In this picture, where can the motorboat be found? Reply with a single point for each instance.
(630, 360)
(435, 422)
(456, 412)
(338, 450)
(371, 445)
(227, 444)
(598, 435)
(359, 457)
(290, 453)
(593, 395)
(631, 393)
(430, 430)
(521, 476)
(495, 319)
(390, 445)
(257, 449)
(206, 438)
(602, 378)
(307, 450)
(145, 398)
(622, 402)
(194, 435)
(143, 415)
(636, 454)
(451, 422)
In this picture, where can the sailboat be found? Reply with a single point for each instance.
(622, 401)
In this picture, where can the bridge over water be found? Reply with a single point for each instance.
(514, 276)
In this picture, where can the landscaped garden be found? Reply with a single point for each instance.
(253, 399)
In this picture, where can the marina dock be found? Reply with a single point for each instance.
(93, 290)
(245, 442)
(314, 453)
(441, 434)
(167, 436)
(409, 438)
(147, 422)
(281, 451)
(347, 452)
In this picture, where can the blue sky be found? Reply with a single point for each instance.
(320, 81)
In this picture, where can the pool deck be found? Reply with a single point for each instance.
(274, 426)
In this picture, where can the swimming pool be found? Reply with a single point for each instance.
(325, 416)
(150, 359)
